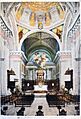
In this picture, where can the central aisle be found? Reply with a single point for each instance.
(40, 100)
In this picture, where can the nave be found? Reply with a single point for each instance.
(48, 111)
(40, 58)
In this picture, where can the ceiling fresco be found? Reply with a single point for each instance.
(39, 14)
(58, 31)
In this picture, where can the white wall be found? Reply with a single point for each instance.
(15, 64)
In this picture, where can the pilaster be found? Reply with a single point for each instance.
(65, 63)
(17, 59)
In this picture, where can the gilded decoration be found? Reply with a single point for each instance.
(33, 10)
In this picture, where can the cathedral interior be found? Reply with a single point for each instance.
(40, 58)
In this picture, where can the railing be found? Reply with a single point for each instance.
(24, 100)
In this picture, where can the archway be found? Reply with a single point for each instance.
(34, 31)
(40, 48)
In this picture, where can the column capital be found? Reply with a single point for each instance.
(18, 55)
(65, 55)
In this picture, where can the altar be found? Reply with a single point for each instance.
(40, 89)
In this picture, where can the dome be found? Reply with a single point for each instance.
(39, 15)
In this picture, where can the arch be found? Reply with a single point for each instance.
(34, 31)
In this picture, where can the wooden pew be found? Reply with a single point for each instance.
(24, 100)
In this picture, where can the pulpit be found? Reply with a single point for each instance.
(69, 84)
(10, 84)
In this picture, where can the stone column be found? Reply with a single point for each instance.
(52, 74)
(30, 74)
(27, 74)
(44, 74)
(4, 63)
(77, 73)
(48, 74)
(33, 74)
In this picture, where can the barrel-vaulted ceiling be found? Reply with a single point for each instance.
(40, 41)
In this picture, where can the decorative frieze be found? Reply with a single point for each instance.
(65, 55)
(16, 55)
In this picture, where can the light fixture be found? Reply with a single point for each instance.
(52, 84)
(28, 84)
